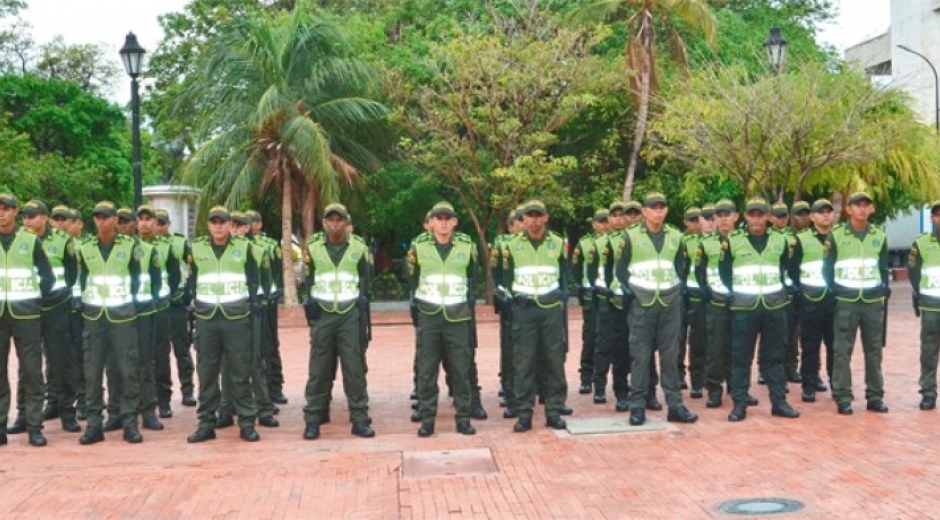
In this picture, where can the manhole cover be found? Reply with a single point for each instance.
(761, 506)
(619, 424)
(451, 463)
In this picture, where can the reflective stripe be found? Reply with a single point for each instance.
(442, 289)
(930, 280)
(811, 274)
(857, 273)
(649, 275)
(535, 280)
(756, 279)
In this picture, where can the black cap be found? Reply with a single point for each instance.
(708, 210)
(106, 208)
(125, 213)
(35, 207)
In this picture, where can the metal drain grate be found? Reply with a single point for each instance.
(761, 506)
(451, 463)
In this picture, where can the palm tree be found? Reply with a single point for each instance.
(282, 105)
(641, 44)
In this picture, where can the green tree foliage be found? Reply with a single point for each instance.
(810, 130)
(63, 144)
(280, 104)
(89, 65)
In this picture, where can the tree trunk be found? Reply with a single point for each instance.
(287, 246)
(639, 133)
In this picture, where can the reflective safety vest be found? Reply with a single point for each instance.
(443, 285)
(178, 250)
(929, 288)
(653, 276)
(336, 287)
(580, 260)
(108, 283)
(610, 255)
(711, 245)
(145, 303)
(536, 273)
(163, 248)
(19, 282)
(756, 277)
(222, 284)
(691, 243)
(272, 249)
(812, 283)
(56, 244)
(857, 274)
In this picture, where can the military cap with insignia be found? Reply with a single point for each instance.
(859, 196)
(220, 212)
(725, 205)
(631, 205)
(253, 215)
(62, 211)
(779, 209)
(756, 204)
(240, 218)
(337, 208)
(125, 213)
(692, 213)
(708, 210)
(653, 198)
(617, 205)
(800, 206)
(106, 208)
(35, 207)
(600, 215)
(162, 216)
(145, 209)
(443, 208)
(535, 206)
(821, 204)
(8, 199)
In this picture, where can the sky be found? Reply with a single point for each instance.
(109, 21)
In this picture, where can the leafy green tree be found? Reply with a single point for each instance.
(87, 64)
(641, 20)
(808, 130)
(282, 105)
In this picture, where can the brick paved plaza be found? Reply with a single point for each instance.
(864, 466)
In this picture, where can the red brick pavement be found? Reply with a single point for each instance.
(865, 465)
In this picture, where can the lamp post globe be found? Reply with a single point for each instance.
(776, 47)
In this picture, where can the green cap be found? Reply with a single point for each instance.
(106, 208)
(859, 196)
(61, 211)
(443, 208)
(162, 216)
(799, 207)
(74, 214)
(8, 199)
(601, 214)
(125, 213)
(822, 204)
(756, 204)
(632, 205)
(708, 210)
(692, 213)
(253, 215)
(725, 205)
(35, 207)
(146, 208)
(219, 212)
(654, 197)
(535, 205)
(617, 205)
(337, 208)
(239, 217)
(779, 209)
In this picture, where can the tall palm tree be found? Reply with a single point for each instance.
(282, 105)
(641, 18)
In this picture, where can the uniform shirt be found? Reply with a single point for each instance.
(40, 261)
(252, 278)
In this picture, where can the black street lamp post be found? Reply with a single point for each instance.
(776, 47)
(132, 54)
(936, 85)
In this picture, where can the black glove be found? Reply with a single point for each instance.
(311, 309)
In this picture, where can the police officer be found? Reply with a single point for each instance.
(692, 337)
(753, 267)
(26, 278)
(536, 277)
(923, 264)
(857, 270)
(56, 334)
(611, 354)
(650, 269)
(441, 272)
(241, 224)
(338, 269)
(272, 342)
(716, 296)
(499, 260)
(223, 279)
(180, 332)
(72, 223)
(780, 220)
(816, 303)
(110, 272)
(585, 283)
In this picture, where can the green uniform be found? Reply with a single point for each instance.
(223, 281)
(791, 357)
(579, 270)
(692, 340)
(499, 259)
(649, 270)
(611, 353)
(536, 276)
(338, 285)
(753, 268)
(924, 271)
(441, 277)
(180, 333)
(816, 305)
(110, 274)
(22, 258)
(274, 375)
(717, 315)
(857, 271)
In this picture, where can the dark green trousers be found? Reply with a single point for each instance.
(27, 341)
(257, 373)
(850, 317)
(273, 363)
(588, 340)
(335, 336)
(145, 370)
(77, 352)
(223, 344)
(537, 344)
(654, 328)
(717, 347)
(180, 341)
(57, 352)
(792, 357)
(611, 348)
(746, 326)
(161, 356)
(816, 331)
(105, 340)
(929, 345)
(506, 378)
(692, 343)
(448, 343)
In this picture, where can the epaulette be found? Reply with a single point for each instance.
(670, 227)
(201, 240)
(423, 237)
(179, 235)
(356, 238)
(316, 237)
(463, 237)
(736, 232)
(235, 238)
